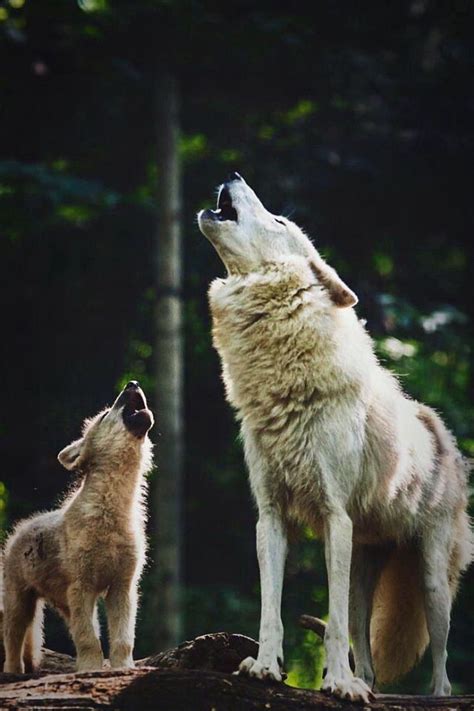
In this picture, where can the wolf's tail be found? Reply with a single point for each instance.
(398, 630)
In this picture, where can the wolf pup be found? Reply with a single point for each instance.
(331, 441)
(93, 545)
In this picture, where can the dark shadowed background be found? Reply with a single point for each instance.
(357, 120)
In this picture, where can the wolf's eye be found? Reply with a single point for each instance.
(104, 415)
(280, 222)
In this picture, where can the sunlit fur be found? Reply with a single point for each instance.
(93, 545)
(331, 441)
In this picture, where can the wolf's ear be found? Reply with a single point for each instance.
(70, 455)
(339, 292)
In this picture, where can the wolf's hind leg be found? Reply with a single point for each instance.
(367, 562)
(435, 559)
(121, 606)
(33, 647)
(19, 612)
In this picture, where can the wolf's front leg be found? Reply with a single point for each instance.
(271, 552)
(121, 606)
(339, 679)
(82, 623)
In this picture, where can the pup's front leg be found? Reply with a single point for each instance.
(82, 608)
(121, 606)
(339, 679)
(271, 551)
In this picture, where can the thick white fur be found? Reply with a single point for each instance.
(331, 441)
(93, 545)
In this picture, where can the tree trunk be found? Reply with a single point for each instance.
(167, 492)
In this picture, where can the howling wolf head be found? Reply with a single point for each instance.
(247, 238)
(115, 437)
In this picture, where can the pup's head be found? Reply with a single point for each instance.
(116, 436)
(247, 237)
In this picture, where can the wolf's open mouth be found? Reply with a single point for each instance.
(225, 209)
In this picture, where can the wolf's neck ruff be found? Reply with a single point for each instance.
(275, 333)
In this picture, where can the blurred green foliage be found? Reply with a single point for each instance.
(358, 123)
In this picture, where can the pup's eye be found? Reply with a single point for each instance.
(104, 415)
(280, 222)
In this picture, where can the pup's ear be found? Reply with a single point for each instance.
(339, 292)
(70, 455)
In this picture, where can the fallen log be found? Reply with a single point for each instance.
(196, 676)
(149, 689)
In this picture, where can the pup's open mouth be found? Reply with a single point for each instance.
(135, 399)
(225, 210)
(136, 416)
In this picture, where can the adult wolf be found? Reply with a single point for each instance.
(331, 441)
(93, 545)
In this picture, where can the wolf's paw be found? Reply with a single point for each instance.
(253, 668)
(348, 687)
(441, 689)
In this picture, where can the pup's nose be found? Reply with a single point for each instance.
(233, 176)
(132, 384)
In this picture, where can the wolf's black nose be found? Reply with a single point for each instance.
(233, 176)
(132, 384)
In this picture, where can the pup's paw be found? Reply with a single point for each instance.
(90, 663)
(14, 667)
(122, 663)
(253, 668)
(347, 687)
(121, 655)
